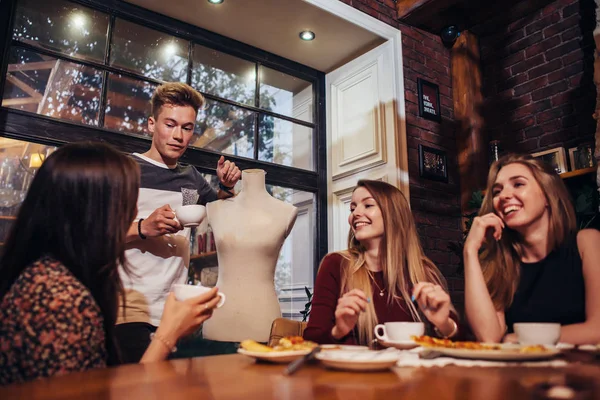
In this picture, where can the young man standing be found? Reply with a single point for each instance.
(158, 247)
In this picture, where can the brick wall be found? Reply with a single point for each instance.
(435, 205)
(537, 78)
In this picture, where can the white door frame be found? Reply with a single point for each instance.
(393, 35)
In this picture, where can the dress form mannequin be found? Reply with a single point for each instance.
(249, 230)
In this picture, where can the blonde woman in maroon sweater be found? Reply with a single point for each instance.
(374, 280)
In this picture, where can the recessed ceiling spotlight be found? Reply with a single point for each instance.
(215, 1)
(307, 35)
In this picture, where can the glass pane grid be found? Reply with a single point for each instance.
(227, 126)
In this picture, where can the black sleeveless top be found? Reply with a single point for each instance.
(550, 290)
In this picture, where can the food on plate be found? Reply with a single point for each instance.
(428, 341)
(288, 343)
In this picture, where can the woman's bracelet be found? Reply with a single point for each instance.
(140, 229)
(172, 348)
(454, 330)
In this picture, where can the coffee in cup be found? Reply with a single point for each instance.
(190, 215)
(399, 331)
(184, 292)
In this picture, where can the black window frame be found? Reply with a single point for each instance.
(21, 125)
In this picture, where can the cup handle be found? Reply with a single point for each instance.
(222, 301)
(380, 336)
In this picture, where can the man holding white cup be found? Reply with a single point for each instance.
(158, 246)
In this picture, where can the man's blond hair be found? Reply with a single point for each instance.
(175, 94)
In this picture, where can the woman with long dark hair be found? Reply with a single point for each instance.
(60, 287)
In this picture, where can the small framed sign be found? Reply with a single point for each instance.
(429, 100)
(432, 164)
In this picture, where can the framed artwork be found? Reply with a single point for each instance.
(554, 157)
(581, 157)
(429, 100)
(433, 164)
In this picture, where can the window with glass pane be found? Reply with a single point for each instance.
(285, 94)
(128, 104)
(62, 26)
(286, 143)
(294, 269)
(52, 87)
(151, 53)
(223, 75)
(225, 128)
(19, 161)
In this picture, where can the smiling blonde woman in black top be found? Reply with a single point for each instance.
(524, 259)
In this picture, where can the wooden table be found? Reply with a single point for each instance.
(239, 377)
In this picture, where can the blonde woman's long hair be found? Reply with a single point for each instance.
(500, 260)
(400, 255)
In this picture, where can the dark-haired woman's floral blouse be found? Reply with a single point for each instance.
(49, 325)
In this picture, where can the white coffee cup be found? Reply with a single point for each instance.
(537, 332)
(184, 292)
(190, 215)
(399, 331)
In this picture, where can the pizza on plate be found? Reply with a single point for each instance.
(428, 341)
(288, 343)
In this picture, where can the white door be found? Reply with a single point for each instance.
(362, 126)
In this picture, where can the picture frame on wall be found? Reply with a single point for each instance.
(554, 157)
(433, 164)
(429, 100)
(581, 157)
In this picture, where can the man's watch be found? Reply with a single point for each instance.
(226, 189)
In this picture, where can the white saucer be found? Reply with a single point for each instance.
(191, 225)
(359, 360)
(399, 344)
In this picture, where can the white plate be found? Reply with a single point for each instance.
(275, 356)
(346, 347)
(359, 360)
(399, 344)
(507, 353)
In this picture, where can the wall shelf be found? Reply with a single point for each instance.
(578, 172)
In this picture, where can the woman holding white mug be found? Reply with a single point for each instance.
(382, 277)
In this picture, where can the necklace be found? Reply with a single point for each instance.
(381, 291)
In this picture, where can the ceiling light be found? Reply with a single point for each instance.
(78, 20)
(170, 49)
(307, 35)
(215, 1)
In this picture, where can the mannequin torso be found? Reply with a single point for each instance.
(249, 231)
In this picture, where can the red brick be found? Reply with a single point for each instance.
(523, 123)
(533, 132)
(548, 91)
(526, 42)
(511, 60)
(531, 85)
(413, 55)
(540, 24)
(561, 26)
(563, 49)
(554, 113)
(571, 10)
(545, 69)
(566, 72)
(527, 64)
(572, 33)
(531, 109)
(542, 46)
(529, 145)
(408, 42)
(562, 98)
(553, 137)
